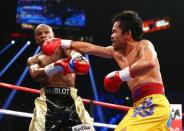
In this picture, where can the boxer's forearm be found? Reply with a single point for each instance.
(91, 49)
(148, 60)
(38, 74)
(141, 67)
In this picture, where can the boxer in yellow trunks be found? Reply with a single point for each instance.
(150, 111)
(139, 67)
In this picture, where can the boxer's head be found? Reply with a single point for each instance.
(42, 33)
(126, 25)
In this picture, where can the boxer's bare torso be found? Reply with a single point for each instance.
(143, 50)
(37, 63)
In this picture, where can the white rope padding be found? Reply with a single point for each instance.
(16, 113)
(29, 115)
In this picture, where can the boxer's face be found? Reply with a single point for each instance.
(43, 33)
(118, 37)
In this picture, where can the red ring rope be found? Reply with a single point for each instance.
(26, 89)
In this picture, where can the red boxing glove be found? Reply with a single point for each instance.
(79, 65)
(112, 82)
(50, 46)
(64, 63)
(60, 66)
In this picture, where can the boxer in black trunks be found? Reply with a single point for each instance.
(58, 107)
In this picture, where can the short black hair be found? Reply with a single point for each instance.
(130, 20)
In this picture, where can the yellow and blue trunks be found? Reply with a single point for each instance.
(150, 113)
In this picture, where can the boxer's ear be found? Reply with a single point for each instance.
(128, 34)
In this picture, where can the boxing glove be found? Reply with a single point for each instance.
(113, 80)
(50, 46)
(60, 66)
(64, 63)
(79, 65)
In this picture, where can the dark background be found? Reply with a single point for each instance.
(168, 44)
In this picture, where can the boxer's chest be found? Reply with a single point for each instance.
(133, 57)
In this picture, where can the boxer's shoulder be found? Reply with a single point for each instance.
(145, 43)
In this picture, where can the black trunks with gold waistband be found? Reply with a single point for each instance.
(61, 109)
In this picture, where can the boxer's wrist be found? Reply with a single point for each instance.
(65, 44)
(50, 69)
(125, 74)
(74, 54)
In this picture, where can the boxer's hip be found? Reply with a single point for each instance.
(147, 89)
(150, 111)
(59, 107)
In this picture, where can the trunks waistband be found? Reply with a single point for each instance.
(57, 90)
(147, 89)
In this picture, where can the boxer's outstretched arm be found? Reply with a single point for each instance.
(147, 60)
(92, 49)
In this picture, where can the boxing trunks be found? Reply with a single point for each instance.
(60, 109)
(150, 111)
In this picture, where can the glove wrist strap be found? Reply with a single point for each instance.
(125, 74)
(65, 44)
(74, 54)
(51, 69)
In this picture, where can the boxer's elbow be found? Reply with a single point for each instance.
(151, 65)
(148, 63)
(36, 76)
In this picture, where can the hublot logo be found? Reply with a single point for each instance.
(58, 91)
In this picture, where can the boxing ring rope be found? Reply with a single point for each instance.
(26, 89)
(35, 91)
(29, 115)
